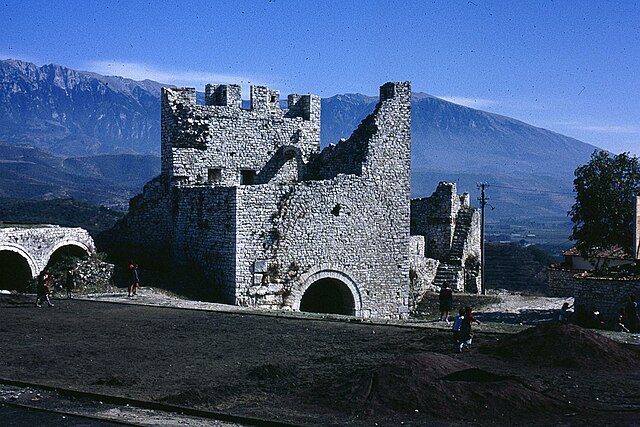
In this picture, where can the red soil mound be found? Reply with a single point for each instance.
(570, 346)
(439, 386)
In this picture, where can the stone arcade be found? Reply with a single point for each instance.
(246, 196)
(26, 250)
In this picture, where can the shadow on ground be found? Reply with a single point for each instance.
(527, 317)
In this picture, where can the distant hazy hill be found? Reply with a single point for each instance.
(110, 180)
(72, 113)
(456, 143)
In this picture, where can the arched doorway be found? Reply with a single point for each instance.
(328, 295)
(65, 253)
(15, 272)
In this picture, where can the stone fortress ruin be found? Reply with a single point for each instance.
(247, 197)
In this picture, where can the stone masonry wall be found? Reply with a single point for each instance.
(215, 143)
(434, 217)
(343, 213)
(606, 295)
(562, 282)
(451, 231)
(204, 235)
(357, 225)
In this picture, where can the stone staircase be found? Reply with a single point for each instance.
(449, 274)
(450, 271)
(463, 225)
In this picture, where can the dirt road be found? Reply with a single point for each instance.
(246, 364)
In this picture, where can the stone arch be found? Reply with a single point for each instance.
(67, 242)
(33, 266)
(17, 268)
(327, 272)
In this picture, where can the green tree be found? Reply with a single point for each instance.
(603, 213)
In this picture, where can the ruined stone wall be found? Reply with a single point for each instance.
(422, 271)
(434, 218)
(451, 230)
(144, 234)
(355, 225)
(215, 143)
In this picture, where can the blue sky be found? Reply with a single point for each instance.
(569, 66)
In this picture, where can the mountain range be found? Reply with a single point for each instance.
(87, 130)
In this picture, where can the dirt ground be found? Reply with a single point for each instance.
(274, 368)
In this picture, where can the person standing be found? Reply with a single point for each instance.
(466, 335)
(565, 314)
(70, 282)
(134, 280)
(445, 299)
(632, 320)
(44, 290)
(457, 325)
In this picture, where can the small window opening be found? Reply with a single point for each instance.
(274, 99)
(336, 209)
(214, 175)
(247, 177)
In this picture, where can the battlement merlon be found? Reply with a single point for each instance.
(223, 95)
(262, 99)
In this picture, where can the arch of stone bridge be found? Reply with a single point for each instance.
(323, 272)
(33, 266)
(67, 242)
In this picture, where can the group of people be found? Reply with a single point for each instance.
(43, 291)
(462, 323)
(628, 319)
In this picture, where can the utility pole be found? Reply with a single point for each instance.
(483, 202)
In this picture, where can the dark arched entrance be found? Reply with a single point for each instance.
(15, 273)
(328, 296)
(66, 253)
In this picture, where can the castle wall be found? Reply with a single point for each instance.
(451, 232)
(214, 143)
(434, 218)
(357, 225)
(342, 213)
(204, 235)
(145, 233)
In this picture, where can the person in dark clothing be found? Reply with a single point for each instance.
(445, 299)
(44, 289)
(457, 325)
(70, 282)
(134, 280)
(565, 314)
(580, 315)
(466, 335)
(632, 320)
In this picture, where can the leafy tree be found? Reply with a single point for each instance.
(603, 213)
